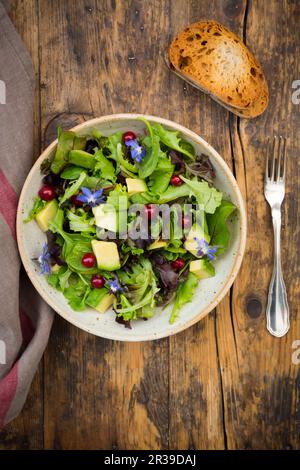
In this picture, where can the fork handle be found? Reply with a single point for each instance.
(278, 322)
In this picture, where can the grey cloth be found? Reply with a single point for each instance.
(25, 319)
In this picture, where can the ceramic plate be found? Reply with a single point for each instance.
(209, 292)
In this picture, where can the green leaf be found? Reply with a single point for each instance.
(81, 223)
(73, 189)
(174, 192)
(112, 143)
(38, 205)
(64, 145)
(95, 296)
(71, 173)
(74, 257)
(160, 178)
(218, 229)
(208, 197)
(104, 167)
(124, 164)
(149, 162)
(118, 198)
(184, 295)
(172, 140)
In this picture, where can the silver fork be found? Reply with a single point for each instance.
(278, 322)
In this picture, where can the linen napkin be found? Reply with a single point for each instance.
(25, 319)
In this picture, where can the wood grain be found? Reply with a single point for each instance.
(225, 382)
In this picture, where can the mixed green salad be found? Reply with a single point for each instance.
(132, 221)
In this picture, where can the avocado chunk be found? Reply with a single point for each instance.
(157, 244)
(195, 232)
(107, 255)
(202, 268)
(82, 158)
(105, 303)
(136, 185)
(104, 219)
(46, 215)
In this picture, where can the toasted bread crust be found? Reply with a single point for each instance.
(217, 61)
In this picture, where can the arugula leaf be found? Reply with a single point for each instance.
(38, 205)
(209, 197)
(73, 189)
(218, 229)
(64, 145)
(184, 295)
(172, 140)
(104, 167)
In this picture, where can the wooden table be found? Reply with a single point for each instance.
(225, 382)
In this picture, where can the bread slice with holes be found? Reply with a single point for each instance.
(256, 109)
(215, 60)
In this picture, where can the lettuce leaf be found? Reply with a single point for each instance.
(218, 229)
(73, 189)
(38, 205)
(184, 295)
(104, 167)
(209, 197)
(160, 178)
(172, 140)
(81, 223)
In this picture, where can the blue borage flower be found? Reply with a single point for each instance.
(90, 197)
(137, 151)
(114, 286)
(203, 249)
(44, 259)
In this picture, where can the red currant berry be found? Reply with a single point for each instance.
(150, 210)
(47, 192)
(75, 201)
(178, 264)
(97, 281)
(129, 135)
(176, 181)
(88, 260)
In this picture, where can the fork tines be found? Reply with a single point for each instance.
(276, 163)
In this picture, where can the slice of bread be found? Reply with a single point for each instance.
(256, 109)
(215, 60)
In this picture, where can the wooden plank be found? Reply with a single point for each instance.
(196, 389)
(26, 431)
(260, 383)
(102, 394)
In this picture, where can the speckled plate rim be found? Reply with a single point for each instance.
(242, 215)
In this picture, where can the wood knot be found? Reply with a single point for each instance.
(64, 120)
(233, 8)
(253, 307)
